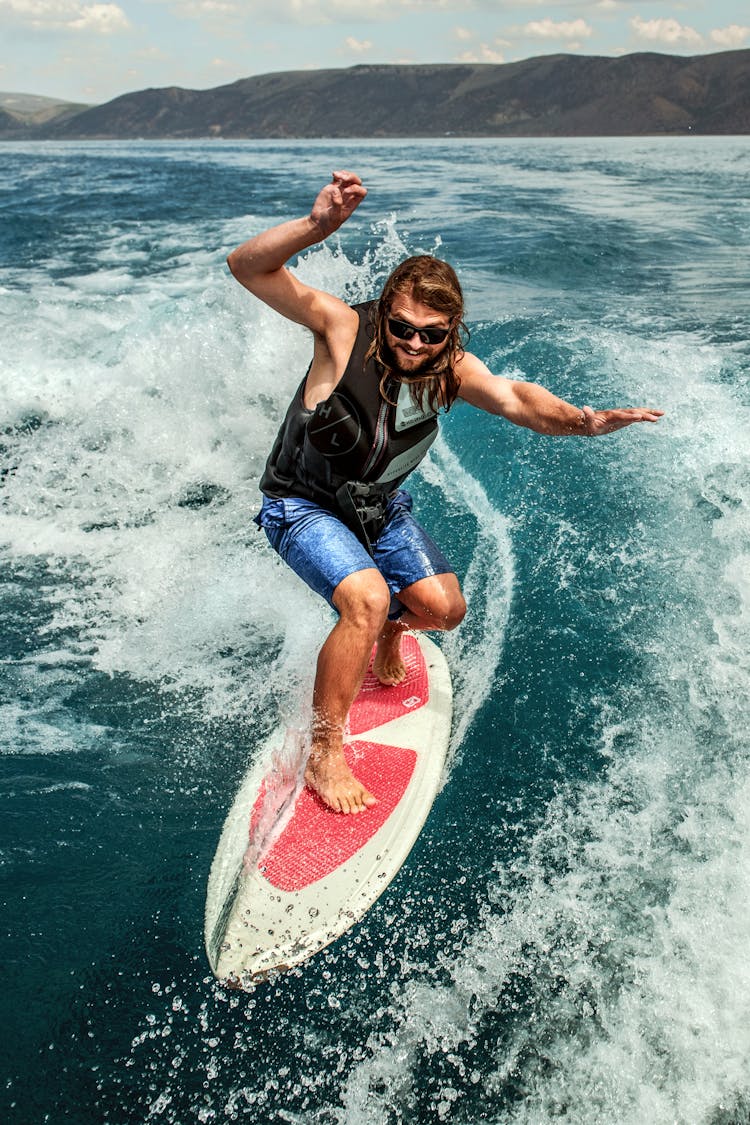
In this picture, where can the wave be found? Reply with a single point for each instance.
(573, 949)
(606, 979)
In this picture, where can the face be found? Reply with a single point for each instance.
(412, 356)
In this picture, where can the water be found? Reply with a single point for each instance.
(568, 940)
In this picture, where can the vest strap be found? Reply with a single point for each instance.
(363, 509)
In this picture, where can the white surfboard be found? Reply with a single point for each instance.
(290, 875)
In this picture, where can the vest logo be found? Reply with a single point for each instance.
(408, 412)
(404, 462)
(335, 427)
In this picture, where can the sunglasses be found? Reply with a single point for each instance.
(404, 331)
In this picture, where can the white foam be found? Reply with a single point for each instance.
(474, 650)
(626, 915)
(129, 398)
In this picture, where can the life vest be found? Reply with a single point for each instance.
(353, 435)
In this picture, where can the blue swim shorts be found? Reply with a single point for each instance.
(323, 551)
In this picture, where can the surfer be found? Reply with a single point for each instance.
(361, 421)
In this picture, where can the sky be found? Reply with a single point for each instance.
(86, 51)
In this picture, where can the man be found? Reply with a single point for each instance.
(361, 420)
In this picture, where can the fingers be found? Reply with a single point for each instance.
(606, 421)
(635, 414)
(345, 178)
(349, 187)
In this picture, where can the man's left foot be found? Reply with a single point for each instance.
(388, 665)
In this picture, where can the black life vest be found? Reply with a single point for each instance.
(353, 435)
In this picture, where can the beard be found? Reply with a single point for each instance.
(409, 367)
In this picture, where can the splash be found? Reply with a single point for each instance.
(606, 982)
(473, 651)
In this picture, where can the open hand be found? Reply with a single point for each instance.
(337, 201)
(599, 422)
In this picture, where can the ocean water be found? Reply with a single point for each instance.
(568, 941)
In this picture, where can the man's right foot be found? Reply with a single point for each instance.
(328, 774)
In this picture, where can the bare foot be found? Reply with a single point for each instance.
(328, 775)
(388, 665)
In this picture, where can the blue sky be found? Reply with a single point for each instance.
(91, 51)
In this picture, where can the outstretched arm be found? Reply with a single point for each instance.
(260, 263)
(529, 405)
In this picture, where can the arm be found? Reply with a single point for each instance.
(260, 263)
(529, 405)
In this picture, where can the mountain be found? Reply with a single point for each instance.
(553, 95)
(21, 112)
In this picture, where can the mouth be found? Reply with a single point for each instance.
(411, 360)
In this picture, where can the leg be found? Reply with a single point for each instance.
(362, 600)
(332, 561)
(434, 603)
(418, 572)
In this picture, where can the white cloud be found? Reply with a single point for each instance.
(357, 45)
(152, 54)
(484, 54)
(548, 29)
(197, 9)
(70, 15)
(316, 12)
(732, 36)
(666, 31)
(463, 33)
(102, 18)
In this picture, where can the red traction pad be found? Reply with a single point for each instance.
(317, 840)
(377, 703)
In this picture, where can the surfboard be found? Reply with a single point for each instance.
(290, 875)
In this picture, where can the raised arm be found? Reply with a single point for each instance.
(532, 406)
(260, 263)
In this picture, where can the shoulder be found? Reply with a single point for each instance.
(367, 312)
(469, 366)
(347, 324)
(472, 373)
(331, 312)
(480, 388)
(331, 319)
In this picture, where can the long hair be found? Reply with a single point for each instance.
(431, 282)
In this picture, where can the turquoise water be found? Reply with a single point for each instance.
(568, 939)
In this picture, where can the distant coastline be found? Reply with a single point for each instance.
(641, 94)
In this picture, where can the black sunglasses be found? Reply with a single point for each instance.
(404, 331)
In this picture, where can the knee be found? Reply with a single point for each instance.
(446, 608)
(454, 611)
(363, 602)
(436, 602)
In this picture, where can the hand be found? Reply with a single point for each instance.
(337, 201)
(598, 422)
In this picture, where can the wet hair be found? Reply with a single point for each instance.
(431, 282)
